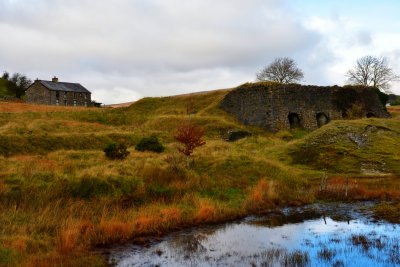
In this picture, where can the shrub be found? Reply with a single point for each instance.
(189, 136)
(93, 187)
(396, 103)
(87, 187)
(234, 135)
(355, 112)
(150, 144)
(384, 98)
(116, 150)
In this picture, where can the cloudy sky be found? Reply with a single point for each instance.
(123, 50)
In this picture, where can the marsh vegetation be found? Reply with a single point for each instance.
(62, 198)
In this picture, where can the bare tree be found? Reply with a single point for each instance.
(372, 71)
(283, 70)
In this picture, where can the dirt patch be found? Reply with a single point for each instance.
(122, 105)
(373, 168)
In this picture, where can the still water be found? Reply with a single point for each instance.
(315, 235)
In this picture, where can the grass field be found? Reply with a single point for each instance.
(61, 197)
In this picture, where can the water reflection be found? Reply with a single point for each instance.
(317, 235)
(188, 248)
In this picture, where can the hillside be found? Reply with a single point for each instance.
(367, 146)
(38, 129)
(62, 197)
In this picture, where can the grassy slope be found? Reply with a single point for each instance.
(62, 196)
(32, 132)
(364, 146)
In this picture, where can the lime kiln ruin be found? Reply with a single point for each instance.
(275, 106)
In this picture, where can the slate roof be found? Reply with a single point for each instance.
(62, 86)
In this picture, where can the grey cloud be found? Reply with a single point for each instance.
(154, 47)
(364, 38)
(394, 62)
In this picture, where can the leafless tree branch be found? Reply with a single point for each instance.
(372, 71)
(283, 70)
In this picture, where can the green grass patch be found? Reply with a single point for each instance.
(350, 147)
(57, 185)
(8, 257)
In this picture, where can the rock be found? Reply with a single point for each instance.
(373, 168)
(373, 128)
(233, 135)
(359, 139)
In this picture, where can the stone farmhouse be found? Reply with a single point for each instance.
(275, 106)
(57, 93)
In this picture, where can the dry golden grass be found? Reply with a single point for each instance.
(14, 107)
(262, 196)
(58, 205)
(2, 187)
(364, 188)
(205, 214)
(394, 109)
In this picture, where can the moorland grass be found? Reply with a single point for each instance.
(61, 197)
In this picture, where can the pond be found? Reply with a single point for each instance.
(314, 235)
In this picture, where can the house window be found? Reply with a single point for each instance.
(80, 95)
(74, 103)
(57, 102)
(85, 103)
(85, 96)
(65, 94)
(65, 102)
(57, 94)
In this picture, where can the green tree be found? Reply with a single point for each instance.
(16, 84)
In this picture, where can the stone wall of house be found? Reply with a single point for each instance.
(67, 98)
(37, 94)
(276, 106)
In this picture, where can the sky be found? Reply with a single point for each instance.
(123, 50)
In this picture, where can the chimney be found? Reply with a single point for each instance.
(37, 80)
(55, 79)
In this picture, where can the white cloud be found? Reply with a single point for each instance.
(120, 95)
(169, 46)
(344, 40)
(125, 49)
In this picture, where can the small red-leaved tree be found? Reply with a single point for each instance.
(190, 136)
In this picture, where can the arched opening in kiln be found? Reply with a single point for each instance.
(322, 119)
(370, 115)
(294, 121)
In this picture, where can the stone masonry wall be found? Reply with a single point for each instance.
(69, 97)
(273, 106)
(37, 94)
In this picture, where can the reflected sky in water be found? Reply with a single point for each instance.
(316, 235)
